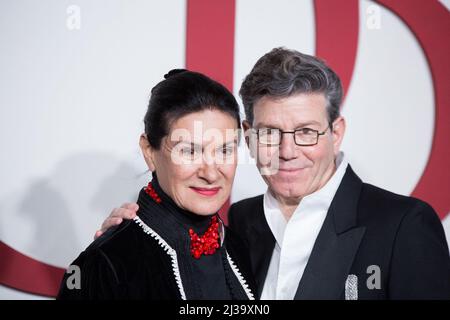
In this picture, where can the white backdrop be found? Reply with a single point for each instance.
(72, 103)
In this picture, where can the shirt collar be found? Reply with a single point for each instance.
(319, 200)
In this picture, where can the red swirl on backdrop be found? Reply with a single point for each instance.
(337, 27)
(210, 45)
(429, 21)
(210, 49)
(26, 274)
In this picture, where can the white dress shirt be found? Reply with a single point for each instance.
(295, 238)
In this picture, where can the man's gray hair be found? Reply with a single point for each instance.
(283, 72)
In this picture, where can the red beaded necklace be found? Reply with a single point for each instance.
(206, 244)
(152, 193)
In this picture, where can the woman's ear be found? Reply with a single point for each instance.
(147, 152)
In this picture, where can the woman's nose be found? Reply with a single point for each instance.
(209, 172)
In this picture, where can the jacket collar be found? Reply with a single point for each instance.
(334, 249)
(336, 245)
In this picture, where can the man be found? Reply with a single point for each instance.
(319, 232)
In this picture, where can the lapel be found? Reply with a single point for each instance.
(336, 245)
(261, 244)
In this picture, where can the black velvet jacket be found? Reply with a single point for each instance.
(365, 226)
(149, 258)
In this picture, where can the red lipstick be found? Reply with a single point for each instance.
(206, 191)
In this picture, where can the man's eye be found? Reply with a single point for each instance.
(271, 131)
(306, 131)
(268, 132)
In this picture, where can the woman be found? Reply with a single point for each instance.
(177, 247)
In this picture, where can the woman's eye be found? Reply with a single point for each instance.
(188, 151)
(228, 151)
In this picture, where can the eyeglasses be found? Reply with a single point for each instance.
(302, 137)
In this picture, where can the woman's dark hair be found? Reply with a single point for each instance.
(181, 93)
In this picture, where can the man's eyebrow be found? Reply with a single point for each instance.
(265, 125)
(299, 125)
(308, 123)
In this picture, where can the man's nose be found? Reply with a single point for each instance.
(287, 147)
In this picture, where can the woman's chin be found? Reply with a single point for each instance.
(206, 209)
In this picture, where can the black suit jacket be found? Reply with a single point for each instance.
(364, 226)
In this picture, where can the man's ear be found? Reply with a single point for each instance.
(338, 132)
(250, 139)
(246, 126)
(147, 151)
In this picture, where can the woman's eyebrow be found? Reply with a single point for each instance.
(190, 143)
(196, 145)
(234, 141)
